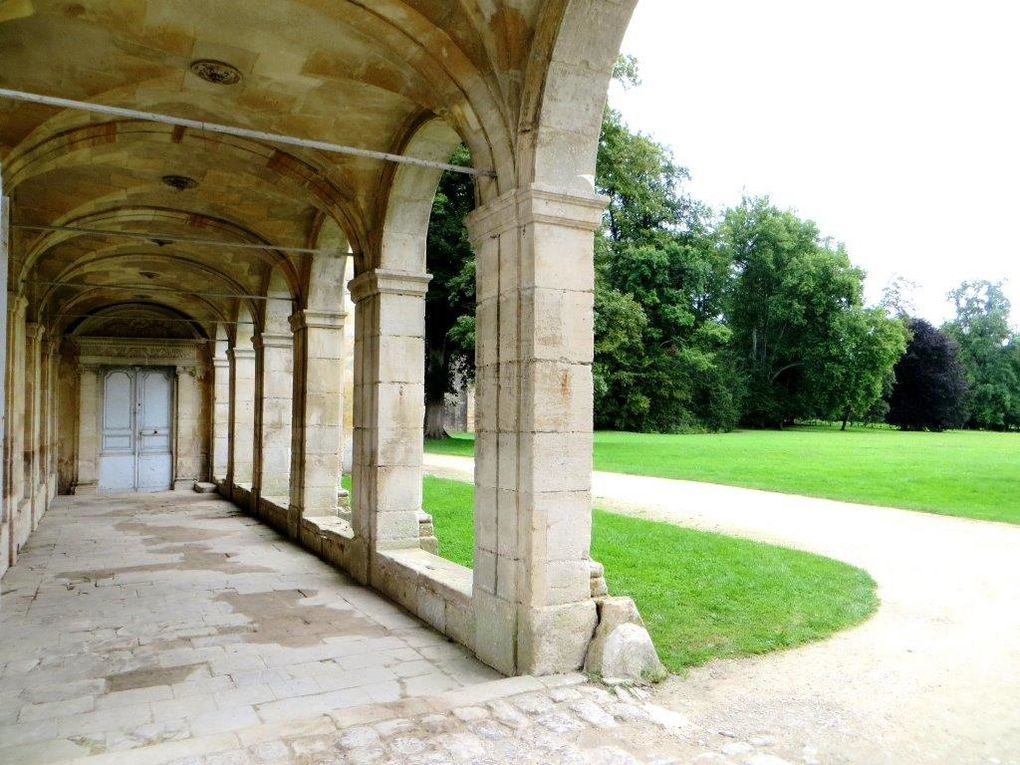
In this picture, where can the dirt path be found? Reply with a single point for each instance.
(934, 677)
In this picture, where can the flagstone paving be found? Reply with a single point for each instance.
(135, 619)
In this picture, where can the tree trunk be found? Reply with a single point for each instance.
(846, 417)
(434, 419)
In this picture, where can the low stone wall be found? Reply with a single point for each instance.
(434, 589)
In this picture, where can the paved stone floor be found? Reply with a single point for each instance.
(135, 619)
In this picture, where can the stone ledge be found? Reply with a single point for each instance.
(435, 590)
(450, 579)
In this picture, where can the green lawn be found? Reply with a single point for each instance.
(703, 596)
(966, 473)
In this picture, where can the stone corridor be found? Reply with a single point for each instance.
(137, 619)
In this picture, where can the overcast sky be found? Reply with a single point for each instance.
(894, 125)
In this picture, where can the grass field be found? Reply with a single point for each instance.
(703, 596)
(965, 473)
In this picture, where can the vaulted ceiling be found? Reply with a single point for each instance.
(365, 74)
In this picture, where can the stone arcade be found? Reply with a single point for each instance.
(175, 302)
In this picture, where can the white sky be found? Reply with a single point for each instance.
(894, 125)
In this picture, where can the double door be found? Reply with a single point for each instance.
(135, 438)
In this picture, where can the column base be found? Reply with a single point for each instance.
(86, 488)
(555, 639)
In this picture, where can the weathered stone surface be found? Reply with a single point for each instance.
(622, 648)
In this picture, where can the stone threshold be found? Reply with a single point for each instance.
(332, 723)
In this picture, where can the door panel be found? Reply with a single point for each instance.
(117, 463)
(154, 458)
(136, 445)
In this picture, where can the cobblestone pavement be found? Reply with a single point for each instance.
(561, 720)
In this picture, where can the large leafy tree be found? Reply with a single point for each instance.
(853, 371)
(930, 382)
(661, 355)
(791, 307)
(450, 301)
(988, 351)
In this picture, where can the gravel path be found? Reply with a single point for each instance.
(933, 677)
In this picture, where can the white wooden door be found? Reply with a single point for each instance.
(136, 448)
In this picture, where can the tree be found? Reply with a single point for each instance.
(662, 361)
(930, 382)
(988, 350)
(898, 297)
(854, 370)
(788, 311)
(450, 301)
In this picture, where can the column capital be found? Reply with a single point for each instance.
(16, 303)
(236, 354)
(220, 363)
(535, 204)
(34, 330)
(269, 340)
(309, 319)
(379, 282)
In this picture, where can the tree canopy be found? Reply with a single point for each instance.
(750, 317)
(990, 354)
(930, 383)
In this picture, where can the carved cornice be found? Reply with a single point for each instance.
(103, 350)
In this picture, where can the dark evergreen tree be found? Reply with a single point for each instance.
(930, 382)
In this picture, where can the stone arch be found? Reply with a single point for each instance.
(323, 276)
(411, 194)
(577, 43)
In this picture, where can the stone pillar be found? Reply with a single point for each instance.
(14, 444)
(87, 481)
(317, 412)
(275, 390)
(187, 429)
(533, 425)
(51, 369)
(220, 417)
(34, 336)
(240, 463)
(5, 506)
(389, 407)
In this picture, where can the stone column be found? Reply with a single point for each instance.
(389, 407)
(317, 412)
(533, 425)
(275, 390)
(5, 505)
(34, 336)
(88, 431)
(240, 464)
(51, 370)
(14, 444)
(187, 429)
(221, 417)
